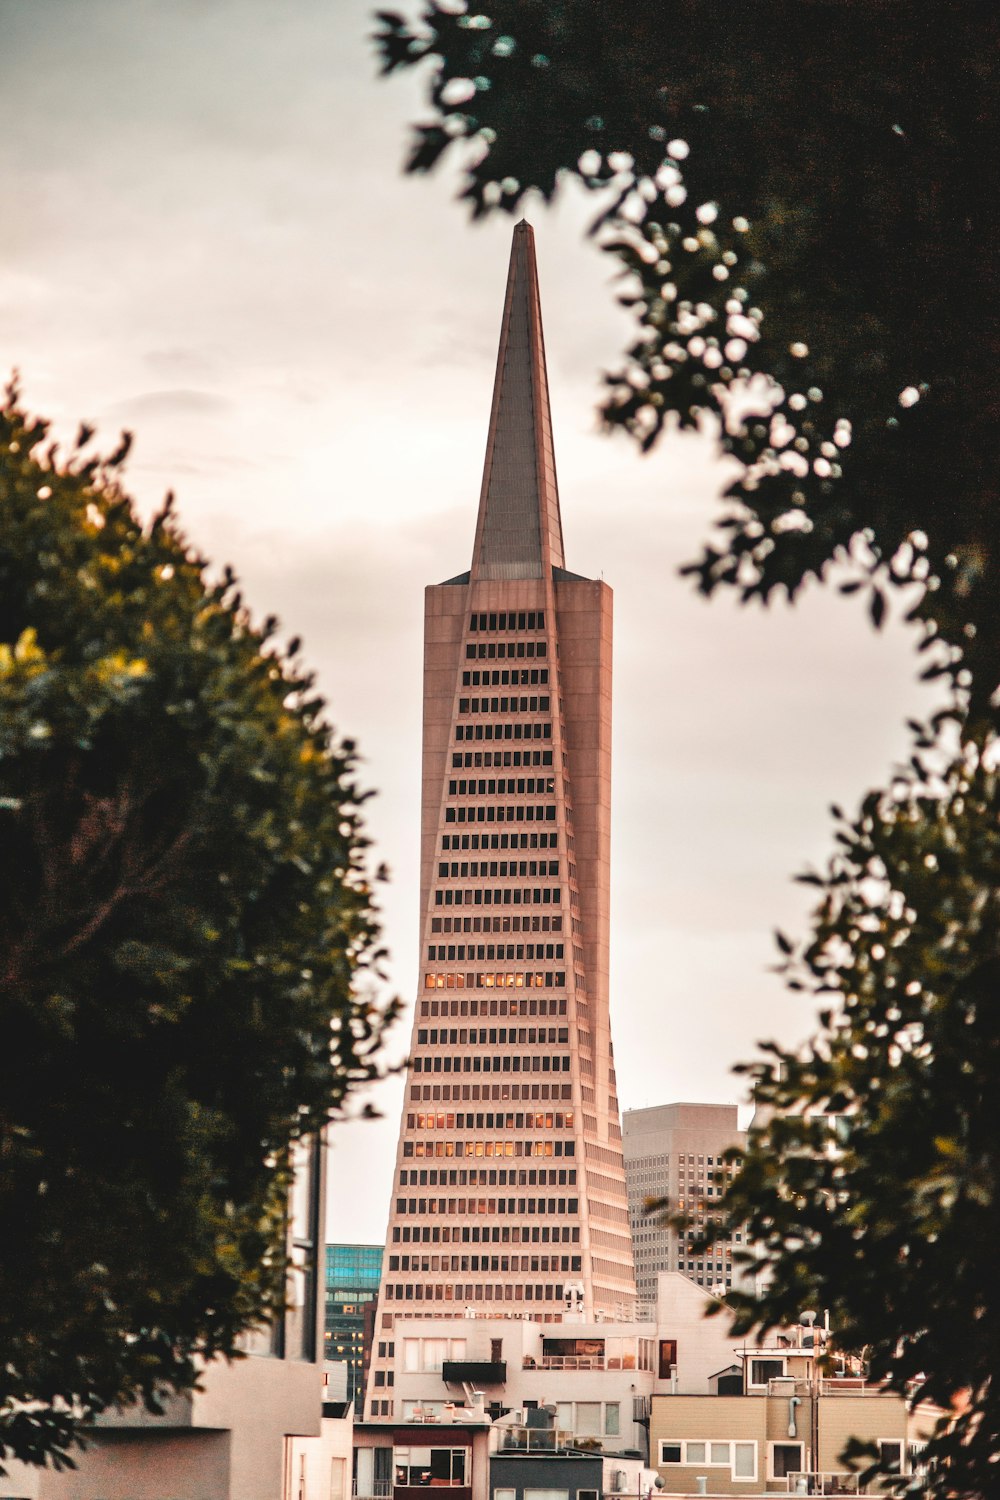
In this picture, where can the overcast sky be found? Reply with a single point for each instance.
(205, 236)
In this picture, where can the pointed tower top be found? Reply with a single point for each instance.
(519, 530)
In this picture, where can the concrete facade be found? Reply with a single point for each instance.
(509, 1186)
(675, 1151)
(590, 1375)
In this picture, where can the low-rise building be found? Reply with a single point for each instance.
(398, 1460)
(590, 1374)
(786, 1430)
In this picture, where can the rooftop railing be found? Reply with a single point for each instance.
(535, 1439)
(829, 1483)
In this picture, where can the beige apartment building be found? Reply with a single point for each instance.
(777, 1423)
(676, 1152)
(509, 1187)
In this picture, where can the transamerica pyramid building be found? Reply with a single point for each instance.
(509, 1193)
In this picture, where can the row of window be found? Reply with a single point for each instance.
(461, 1036)
(512, 1007)
(484, 1263)
(535, 923)
(490, 1207)
(546, 979)
(466, 1292)
(430, 1466)
(493, 1120)
(739, 1458)
(517, 813)
(486, 1234)
(512, 619)
(494, 1177)
(438, 1092)
(483, 786)
(508, 731)
(519, 677)
(522, 704)
(499, 841)
(507, 759)
(427, 1355)
(489, 1148)
(487, 1064)
(784, 1457)
(450, 953)
(504, 650)
(495, 869)
(547, 895)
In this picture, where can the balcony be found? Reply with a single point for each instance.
(570, 1362)
(535, 1440)
(474, 1372)
(852, 1385)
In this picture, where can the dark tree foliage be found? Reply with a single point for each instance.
(795, 190)
(873, 1190)
(184, 913)
(799, 199)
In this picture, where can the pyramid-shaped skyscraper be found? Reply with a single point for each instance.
(509, 1192)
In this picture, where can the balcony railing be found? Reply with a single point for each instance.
(567, 1362)
(535, 1439)
(375, 1489)
(830, 1483)
(851, 1385)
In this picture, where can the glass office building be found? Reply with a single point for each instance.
(352, 1281)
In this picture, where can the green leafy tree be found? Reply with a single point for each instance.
(793, 192)
(873, 1188)
(185, 925)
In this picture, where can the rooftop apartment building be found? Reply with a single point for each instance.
(509, 1186)
(777, 1423)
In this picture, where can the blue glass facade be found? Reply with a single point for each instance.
(352, 1281)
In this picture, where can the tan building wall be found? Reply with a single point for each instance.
(706, 1420)
(795, 1415)
(867, 1417)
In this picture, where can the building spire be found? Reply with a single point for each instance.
(519, 530)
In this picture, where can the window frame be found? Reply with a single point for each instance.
(706, 1444)
(785, 1443)
(769, 1359)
